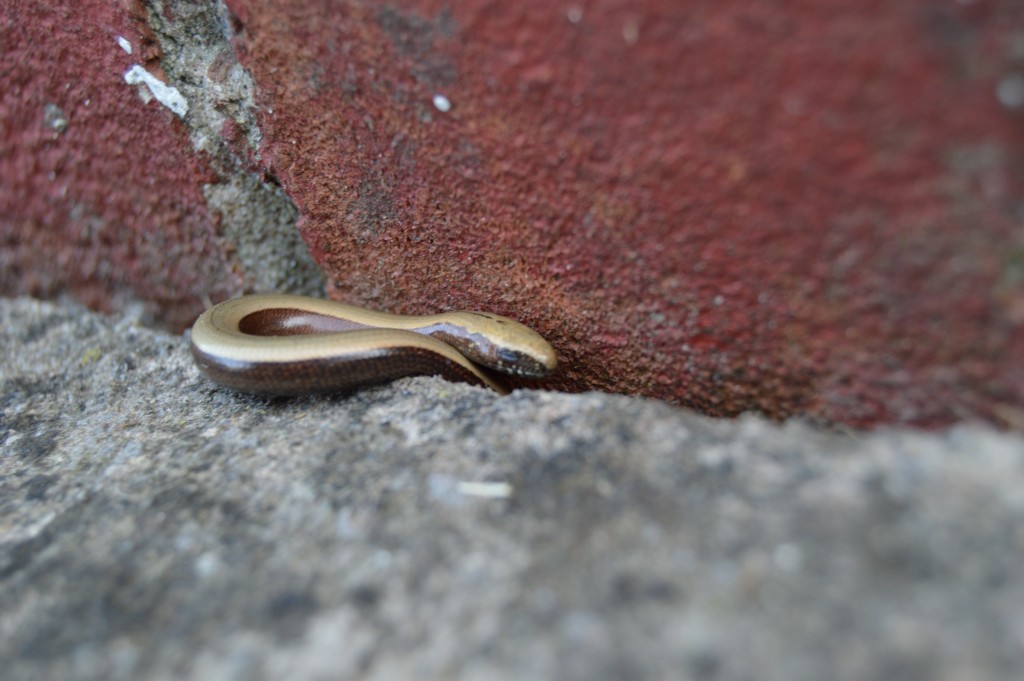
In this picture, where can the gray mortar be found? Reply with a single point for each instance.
(260, 221)
(257, 218)
(155, 526)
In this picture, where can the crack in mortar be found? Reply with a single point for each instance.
(258, 220)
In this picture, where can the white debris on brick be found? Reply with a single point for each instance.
(163, 93)
(125, 44)
(442, 103)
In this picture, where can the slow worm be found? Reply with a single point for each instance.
(293, 345)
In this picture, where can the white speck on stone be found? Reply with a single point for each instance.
(486, 490)
(574, 14)
(442, 103)
(1010, 91)
(165, 94)
(125, 44)
(206, 565)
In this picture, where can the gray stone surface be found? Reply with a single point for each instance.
(155, 526)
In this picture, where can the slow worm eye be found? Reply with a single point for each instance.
(507, 356)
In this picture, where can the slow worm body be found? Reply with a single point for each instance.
(293, 345)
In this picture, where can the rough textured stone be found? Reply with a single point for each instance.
(731, 205)
(153, 526)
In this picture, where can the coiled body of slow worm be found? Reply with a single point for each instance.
(294, 345)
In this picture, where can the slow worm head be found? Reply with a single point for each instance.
(289, 345)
